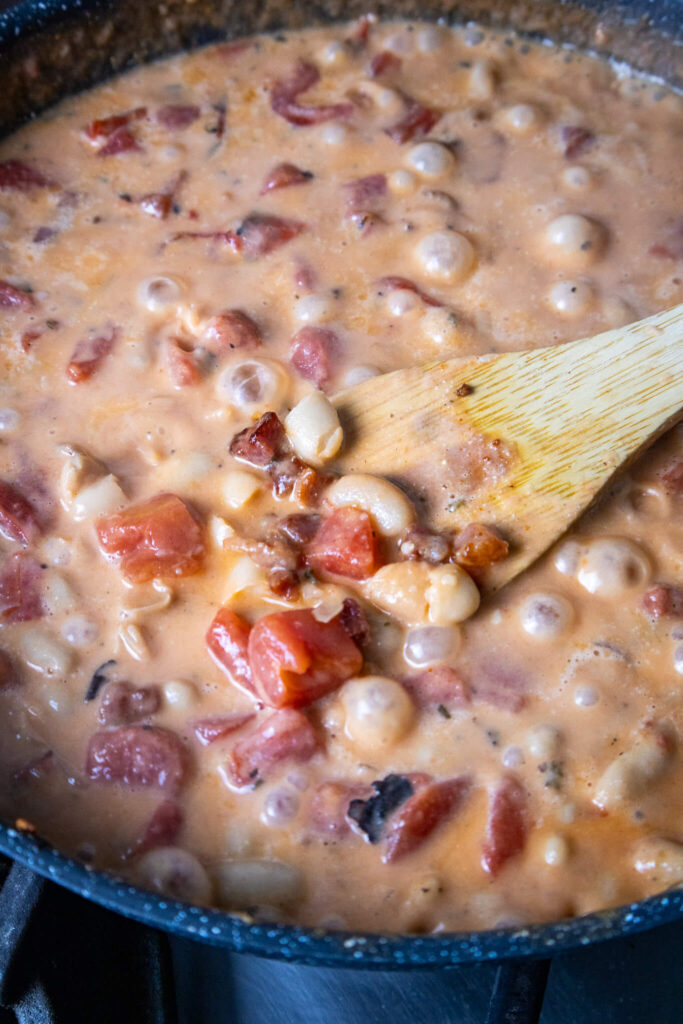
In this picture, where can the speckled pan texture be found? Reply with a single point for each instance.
(51, 48)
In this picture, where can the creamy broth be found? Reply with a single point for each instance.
(192, 251)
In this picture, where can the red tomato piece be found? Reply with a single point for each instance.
(20, 598)
(208, 730)
(506, 828)
(405, 284)
(177, 116)
(229, 331)
(15, 298)
(183, 367)
(663, 600)
(477, 547)
(346, 545)
(21, 177)
(310, 353)
(286, 735)
(261, 444)
(228, 642)
(672, 478)
(158, 539)
(9, 677)
(137, 756)
(120, 141)
(123, 703)
(295, 659)
(18, 520)
(422, 813)
(382, 62)
(284, 95)
(261, 233)
(417, 121)
(157, 204)
(576, 140)
(284, 175)
(90, 353)
(500, 684)
(106, 126)
(228, 237)
(439, 686)
(162, 829)
(365, 194)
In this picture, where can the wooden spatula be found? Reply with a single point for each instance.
(552, 425)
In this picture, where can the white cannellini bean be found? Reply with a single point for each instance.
(544, 741)
(313, 429)
(452, 595)
(254, 385)
(574, 239)
(521, 118)
(566, 559)
(611, 566)
(358, 374)
(586, 696)
(482, 80)
(244, 575)
(132, 639)
(391, 510)
(445, 255)
(179, 694)
(632, 773)
(58, 594)
(401, 301)
(279, 808)
(400, 589)
(159, 294)
(571, 298)
(430, 645)
(104, 496)
(402, 181)
(257, 882)
(430, 159)
(184, 469)
(314, 309)
(220, 531)
(44, 653)
(57, 551)
(556, 851)
(79, 631)
(378, 711)
(140, 603)
(660, 857)
(175, 873)
(546, 616)
(240, 486)
(9, 421)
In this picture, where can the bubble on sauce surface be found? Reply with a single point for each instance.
(546, 616)
(279, 808)
(333, 134)
(174, 872)
(430, 159)
(445, 255)
(566, 558)
(678, 660)
(612, 566)
(9, 421)
(574, 239)
(544, 741)
(313, 309)
(512, 757)
(401, 301)
(430, 645)
(252, 385)
(521, 118)
(586, 696)
(571, 298)
(159, 294)
(402, 181)
(577, 178)
(334, 54)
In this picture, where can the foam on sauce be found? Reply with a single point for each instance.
(433, 192)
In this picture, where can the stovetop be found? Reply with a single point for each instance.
(64, 960)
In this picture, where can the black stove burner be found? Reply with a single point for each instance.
(64, 960)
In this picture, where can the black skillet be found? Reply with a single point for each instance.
(51, 48)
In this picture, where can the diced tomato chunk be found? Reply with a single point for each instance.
(106, 126)
(261, 444)
(310, 353)
(177, 116)
(157, 204)
(576, 140)
(208, 730)
(228, 642)
(227, 237)
(439, 686)
(183, 367)
(477, 547)
(383, 61)
(393, 282)
(283, 176)
(137, 756)
(21, 177)
(422, 813)
(158, 539)
(417, 121)
(261, 233)
(18, 520)
(295, 659)
(506, 828)
(672, 478)
(162, 829)
(229, 331)
(662, 600)
(284, 95)
(89, 354)
(12, 297)
(120, 141)
(346, 544)
(123, 703)
(286, 735)
(9, 677)
(499, 683)
(20, 597)
(365, 194)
